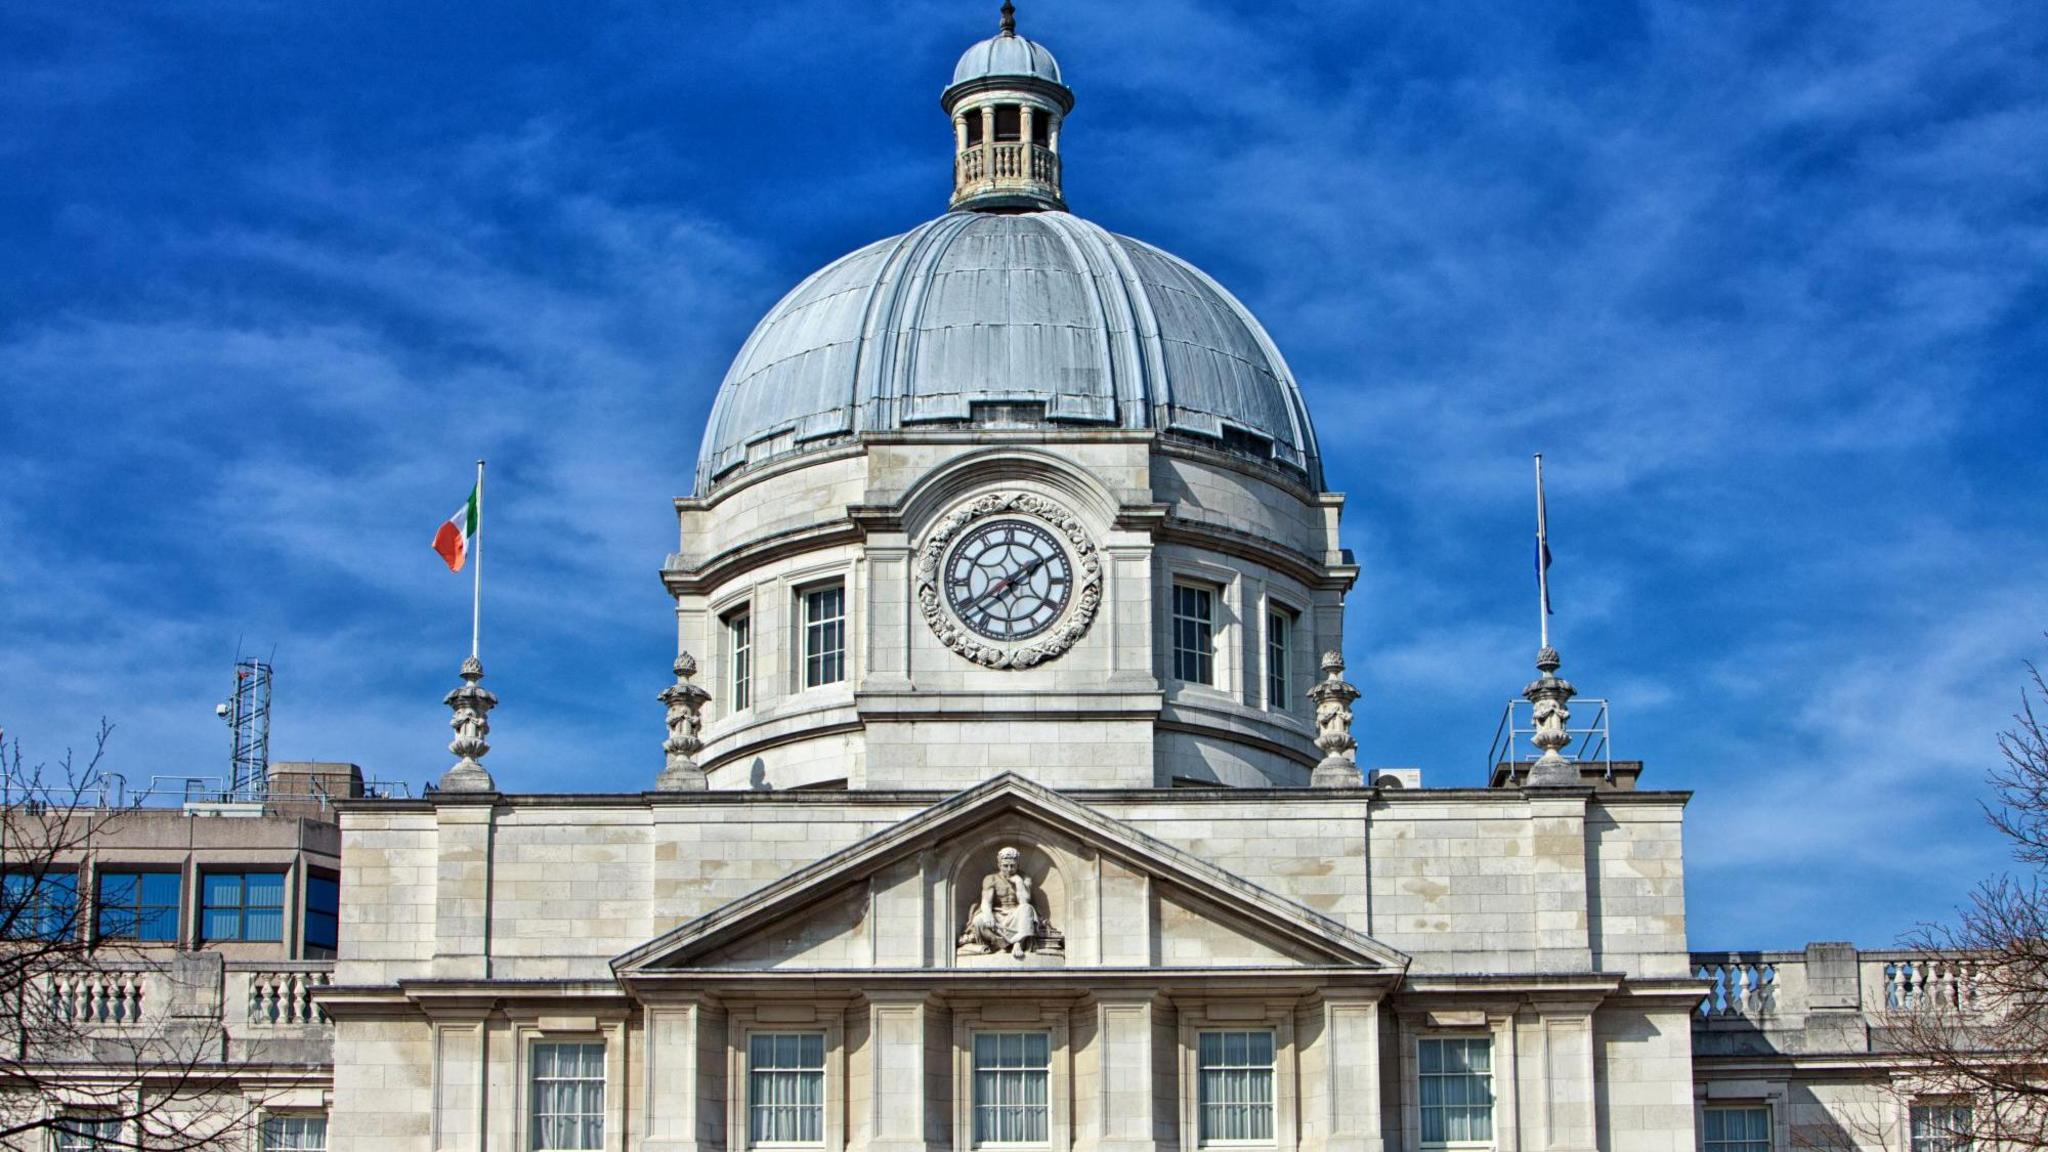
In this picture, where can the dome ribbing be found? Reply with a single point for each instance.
(1046, 315)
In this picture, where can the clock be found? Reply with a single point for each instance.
(1008, 579)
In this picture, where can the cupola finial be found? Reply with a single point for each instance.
(1009, 18)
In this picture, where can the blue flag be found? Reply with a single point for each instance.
(1543, 566)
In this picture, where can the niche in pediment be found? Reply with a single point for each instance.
(1009, 907)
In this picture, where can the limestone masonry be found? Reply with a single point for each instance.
(1010, 796)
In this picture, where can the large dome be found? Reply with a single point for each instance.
(1039, 317)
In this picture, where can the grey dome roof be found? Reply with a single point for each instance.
(1039, 308)
(1006, 55)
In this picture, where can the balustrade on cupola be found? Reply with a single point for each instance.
(1007, 102)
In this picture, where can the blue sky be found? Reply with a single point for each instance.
(1765, 282)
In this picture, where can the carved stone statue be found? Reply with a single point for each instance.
(685, 701)
(1549, 697)
(1006, 916)
(1333, 696)
(472, 703)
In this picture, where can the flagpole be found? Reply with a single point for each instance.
(476, 599)
(1542, 550)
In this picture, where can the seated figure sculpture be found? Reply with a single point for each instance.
(1005, 917)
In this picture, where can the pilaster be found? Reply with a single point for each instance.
(683, 1097)
(1557, 869)
(1341, 1111)
(461, 1080)
(462, 886)
(904, 1067)
(1132, 1113)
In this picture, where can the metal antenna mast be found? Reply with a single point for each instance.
(248, 717)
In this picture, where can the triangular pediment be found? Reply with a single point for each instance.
(1109, 896)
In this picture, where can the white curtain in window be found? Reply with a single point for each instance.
(1235, 1087)
(568, 1096)
(786, 1088)
(1012, 1074)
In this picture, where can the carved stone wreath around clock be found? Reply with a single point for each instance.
(1024, 531)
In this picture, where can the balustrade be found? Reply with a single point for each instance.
(1743, 989)
(1930, 984)
(1008, 163)
(97, 997)
(283, 998)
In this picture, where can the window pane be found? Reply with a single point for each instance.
(323, 894)
(568, 1096)
(786, 1087)
(1455, 1089)
(1738, 1129)
(221, 888)
(264, 890)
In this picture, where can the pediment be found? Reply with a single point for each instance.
(1102, 895)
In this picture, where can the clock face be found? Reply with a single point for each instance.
(1008, 579)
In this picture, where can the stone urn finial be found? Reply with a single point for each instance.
(472, 723)
(685, 721)
(1549, 696)
(1333, 696)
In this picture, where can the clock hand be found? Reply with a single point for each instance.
(1005, 584)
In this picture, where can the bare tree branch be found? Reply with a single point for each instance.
(94, 1027)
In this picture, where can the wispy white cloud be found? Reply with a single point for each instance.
(1765, 283)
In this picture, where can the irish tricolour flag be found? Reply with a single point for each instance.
(453, 539)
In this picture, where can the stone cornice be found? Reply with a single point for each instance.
(681, 581)
(924, 797)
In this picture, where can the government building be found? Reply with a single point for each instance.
(1010, 800)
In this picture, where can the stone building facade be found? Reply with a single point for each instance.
(1010, 797)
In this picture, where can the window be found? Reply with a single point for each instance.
(1457, 1089)
(1009, 123)
(824, 636)
(1194, 634)
(1942, 1128)
(1234, 1087)
(138, 905)
(1279, 659)
(1746, 1129)
(739, 661)
(39, 906)
(323, 912)
(568, 1096)
(1041, 127)
(85, 1133)
(1012, 1071)
(786, 1088)
(241, 906)
(974, 127)
(294, 1134)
